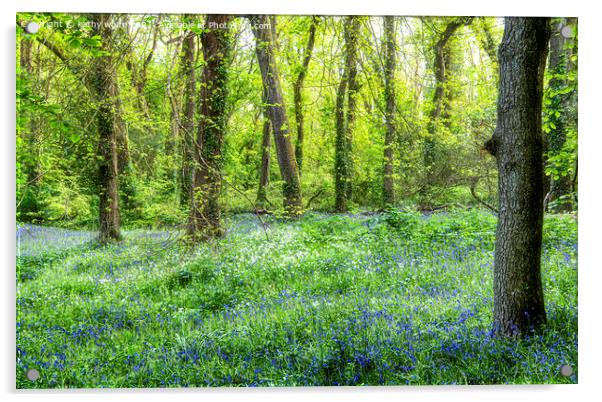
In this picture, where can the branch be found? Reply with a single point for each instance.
(473, 184)
(46, 42)
(313, 197)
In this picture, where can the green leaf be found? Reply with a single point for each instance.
(74, 137)
(75, 43)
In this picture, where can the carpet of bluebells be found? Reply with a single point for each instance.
(368, 299)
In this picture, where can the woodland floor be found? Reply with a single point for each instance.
(394, 298)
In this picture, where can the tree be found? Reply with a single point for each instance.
(104, 83)
(264, 172)
(517, 145)
(345, 119)
(30, 131)
(558, 93)
(139, 74)
(112, 152)
(441, 103)
(205, 211)
(297, 92)
(389, 75)
(189, 71)
(265, 44)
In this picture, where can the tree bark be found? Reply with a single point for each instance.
(517, 146)
(264, 49)
(389, 75)
(205, 211)
(187, 128)
(298, 96)
(31, 136)
(345, 120)
(353, 33)
(264, 173)
(104, 83)
(341, 154)
(560, 188)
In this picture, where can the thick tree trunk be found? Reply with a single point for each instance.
(345, 120)
(264, 173)
(560, 188)
(388, 184)
(298, 96)
(276, 109)
(205, 211)
(187, 128)
(105, 88)
(517, 145)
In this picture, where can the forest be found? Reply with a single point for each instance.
(262, 200)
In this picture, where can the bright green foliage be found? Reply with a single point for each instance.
(560, 116)
(151, 189)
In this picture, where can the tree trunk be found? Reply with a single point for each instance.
(264, 173)
(205, 211)
(276, 109)
(187, 128)
(31, 137)
(345, 120)
(560, 188)
(105, 88)
(341, 154)
(298, 98)
(517, 146)
(390, 49)
(441, 101)
(139, 77)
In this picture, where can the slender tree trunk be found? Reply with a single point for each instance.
(264, 173)
(390, 49)
(345, 120)
(560, 188)
(353, 33)
(31, 137)
(440, 110)
(297, 92)
(205, 211)
(104, 84)
(171, 142)
(280, 125)
(187, 128)
(139, 76)
(341, 153)
(517, 146)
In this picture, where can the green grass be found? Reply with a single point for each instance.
(396, 298)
